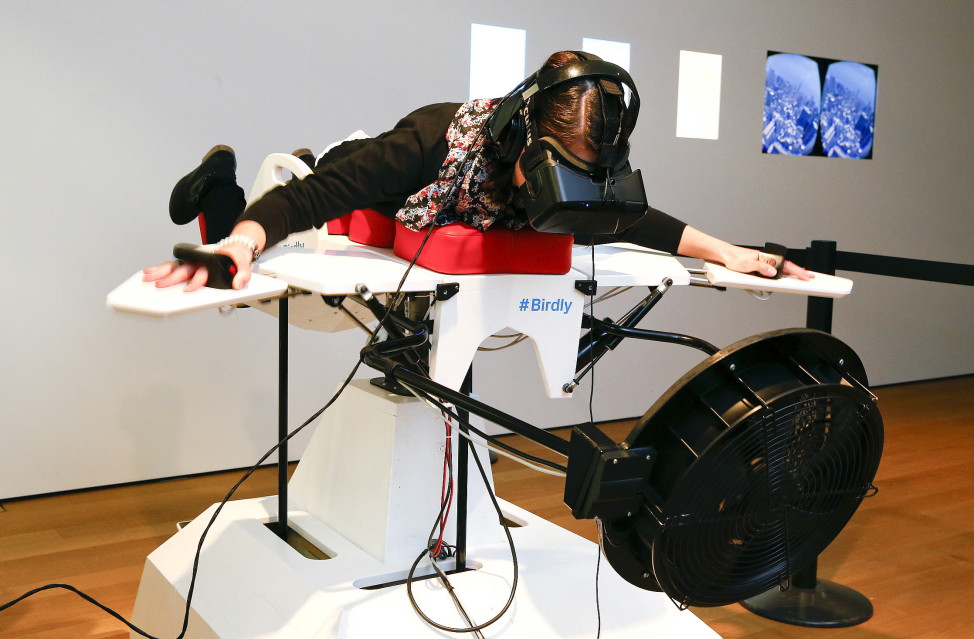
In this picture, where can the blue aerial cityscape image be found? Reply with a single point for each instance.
(792, 103)
(848, 110)
(814, 106)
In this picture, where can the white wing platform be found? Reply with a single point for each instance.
(547, 308)
(340, 265)
(144, 298)
(821, 285)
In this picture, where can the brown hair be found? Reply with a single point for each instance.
(571, 113)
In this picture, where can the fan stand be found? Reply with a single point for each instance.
(810, 601)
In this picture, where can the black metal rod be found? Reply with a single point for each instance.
(463, 475)
(395, 324)
(594, 344)
(821, 257)
(605, 335)
(806, 577)
(926, 270)
(890, 266)
(282, 430)
(458, 399)
(660, 336)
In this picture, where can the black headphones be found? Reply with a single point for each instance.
(510, 127)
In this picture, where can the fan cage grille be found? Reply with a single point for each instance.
(767, 496)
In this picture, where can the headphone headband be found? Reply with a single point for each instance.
(506, 127)
(580, 69)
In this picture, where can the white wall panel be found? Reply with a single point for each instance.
(107, 104)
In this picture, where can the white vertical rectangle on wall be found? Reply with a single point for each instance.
(698, 95)
(496, 60)
(608, 50)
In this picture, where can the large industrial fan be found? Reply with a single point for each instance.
(739, 475)
(736, 479)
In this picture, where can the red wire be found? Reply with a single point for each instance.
(446, 488)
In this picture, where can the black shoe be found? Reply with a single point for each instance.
(218, 165)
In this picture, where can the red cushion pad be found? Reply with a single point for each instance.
(339, 226)
(365, 226)
(372, 228)
(460, 249)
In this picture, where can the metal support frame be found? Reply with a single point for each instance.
(388, 358)
(605, 335)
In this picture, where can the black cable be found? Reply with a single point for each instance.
(446, 496)
(456, 600)
(318, 413)
(410, 578)
(226, 499)
(246, 476)
(591, 418)
(445, 501)
(489, 438)
(84, 596)
(598, 607)
(206, 530)
(591, 336)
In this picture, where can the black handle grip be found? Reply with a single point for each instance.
(220, 268)
(773, 254)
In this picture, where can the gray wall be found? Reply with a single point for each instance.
(106, 104)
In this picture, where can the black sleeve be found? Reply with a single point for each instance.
(656, 230)
(378, 173)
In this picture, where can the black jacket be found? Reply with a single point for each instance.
(381, 172)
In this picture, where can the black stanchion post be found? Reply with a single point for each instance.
(464, 450)
(821, 258)
(282, 417)
(809, 601)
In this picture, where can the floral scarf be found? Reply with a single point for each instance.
(469, 163)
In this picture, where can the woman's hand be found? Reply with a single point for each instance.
(793, 270)
(175, 272)
(195, 275)
(737, 258)
(745, 260)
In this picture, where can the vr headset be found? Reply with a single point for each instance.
(563, 193)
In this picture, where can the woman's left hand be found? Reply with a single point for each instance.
(746, 261)
(793, 270)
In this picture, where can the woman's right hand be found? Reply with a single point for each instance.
(194, 275)
(175, 272)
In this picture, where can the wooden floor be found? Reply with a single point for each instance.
(910, 549)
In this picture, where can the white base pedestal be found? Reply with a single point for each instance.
(252, 584)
